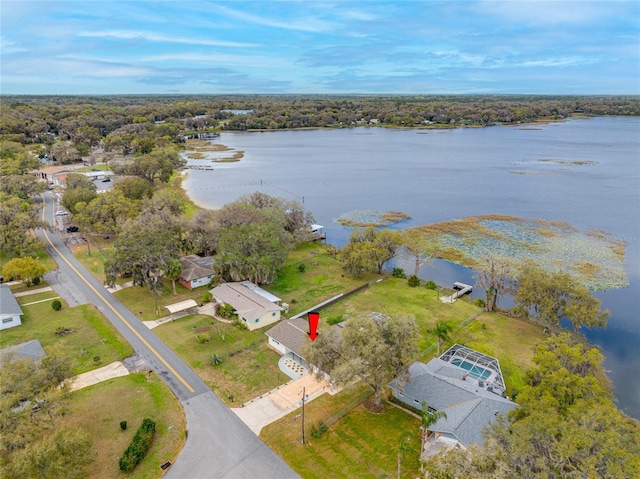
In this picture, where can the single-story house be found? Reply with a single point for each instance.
(288, 336)
(254, 306)
(466, 385)
(30, 350)
(196, 271)
(10, 311)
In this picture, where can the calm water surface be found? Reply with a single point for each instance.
(439, 175)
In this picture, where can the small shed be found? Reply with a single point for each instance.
(10, 311)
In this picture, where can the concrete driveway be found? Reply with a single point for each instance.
(279, 402)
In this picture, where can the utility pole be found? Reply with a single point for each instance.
(303, 391)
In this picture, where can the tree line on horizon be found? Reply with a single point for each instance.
(123, 123)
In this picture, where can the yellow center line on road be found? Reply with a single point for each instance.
(144, 341)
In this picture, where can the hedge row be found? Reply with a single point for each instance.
(139, 445)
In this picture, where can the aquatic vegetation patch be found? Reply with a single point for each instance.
(567, 162)
(595, 258)
(363, 218)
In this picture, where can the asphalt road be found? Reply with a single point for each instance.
(219, 444)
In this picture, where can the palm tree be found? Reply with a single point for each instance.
(173, 272)
(442, 330)
(404, 447)
(427, 419)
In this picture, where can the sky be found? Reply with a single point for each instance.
(320, 47)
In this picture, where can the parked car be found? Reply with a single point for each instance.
(72, 229)
(61, 213)
(106, 180)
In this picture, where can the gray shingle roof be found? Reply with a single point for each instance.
(31, 349)
(195, 267)
(292, 333)
(8, 304)
(247, 303)
(469, 408)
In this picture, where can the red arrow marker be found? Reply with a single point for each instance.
(314, 318)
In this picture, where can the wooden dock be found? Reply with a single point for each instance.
(461, 290)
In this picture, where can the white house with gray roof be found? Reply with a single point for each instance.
(10, 311)
(196, 271)
(466, 385)
(250, 303)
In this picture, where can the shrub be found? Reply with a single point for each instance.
(318, 430)
(215, 360)
(480, 303)
(335, 320)
(35, 280)
(302, 267)
(207, 297)
(431, 285)
(139, 446)
(56, 305)
(202, 338)
(123, 425)
(413, 281)
(226, 310)
(96, 359)
(398, 273)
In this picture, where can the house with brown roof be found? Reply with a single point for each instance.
(196, 271)
(254, 306)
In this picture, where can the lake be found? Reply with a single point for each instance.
(582, 171)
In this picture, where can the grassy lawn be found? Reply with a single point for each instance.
(249, 366)
(33, 298)
(141, 302)
(393, 296)
(361, 444)
(510, 340)
(323, 278)
(92, 335)
(130, 398)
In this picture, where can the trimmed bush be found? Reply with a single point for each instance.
(398, 273)
(139, 446)
(56, 305)
(207, 297)
(431, 285)
(413, 281)
(123, 425)
(302, 267)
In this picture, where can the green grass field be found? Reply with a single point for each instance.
(98, 410)
(249, 366)
(323, 278)
(91, 334)
(361, 444)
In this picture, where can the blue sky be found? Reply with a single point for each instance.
(362, 47)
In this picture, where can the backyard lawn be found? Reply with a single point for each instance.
(310, 276)
(393, 296)
(249, 366)
(361, 444)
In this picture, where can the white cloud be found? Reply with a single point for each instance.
(154, 37)
(304, 24)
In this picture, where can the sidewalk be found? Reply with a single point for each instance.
(279, 402)
(33, 291)
(113, 370)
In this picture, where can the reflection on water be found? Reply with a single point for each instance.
(584, 172)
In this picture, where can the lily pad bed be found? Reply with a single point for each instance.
(363, 218)
(595, 258)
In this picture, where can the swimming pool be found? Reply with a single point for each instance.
(475, 371)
